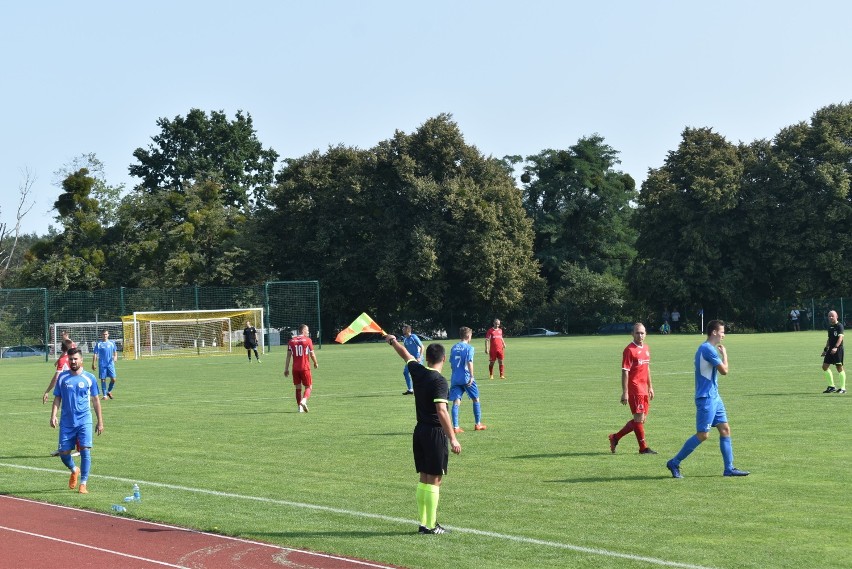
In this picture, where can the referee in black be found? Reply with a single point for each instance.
(432, 432)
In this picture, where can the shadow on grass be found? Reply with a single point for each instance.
(598, 479)
(384, 435)
(555, 455)
(360, 534)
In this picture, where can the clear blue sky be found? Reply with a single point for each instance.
(518, 77)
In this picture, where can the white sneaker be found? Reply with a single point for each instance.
(304, 405)
(300, 408)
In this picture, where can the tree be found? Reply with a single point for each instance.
(73, 259)
(9, 238)
(192, 149)
(420, 224)
(107, 196)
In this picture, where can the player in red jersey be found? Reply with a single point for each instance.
(494, 348)
(61, 365)
(636, 388)
(300, 348)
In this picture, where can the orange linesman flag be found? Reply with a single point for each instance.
(362, 324)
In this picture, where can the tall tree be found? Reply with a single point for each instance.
(192, 148)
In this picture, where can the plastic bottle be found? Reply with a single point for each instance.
(136, 495)
(118, 508)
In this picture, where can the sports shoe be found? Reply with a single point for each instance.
(408, 392)
(83, 489)
(257, 360)
(304, 405)
(674, 468)
(75, 476)
(502, 377)
(736, 472)
(434, 531)
(840, 391)
(104, 397)
(458, 430)
(647, 450)
(479, 427)
(109, 394)
(75, 453)
(490, 377)
(830, 389)
(55, 453)
(612, 443)
(300, 408)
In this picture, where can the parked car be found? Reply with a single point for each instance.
(538, 332)
(616, 328)
(22, 352)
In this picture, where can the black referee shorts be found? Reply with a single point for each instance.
(431, 449)
(834, 359)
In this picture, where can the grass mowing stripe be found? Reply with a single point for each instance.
(495, 535)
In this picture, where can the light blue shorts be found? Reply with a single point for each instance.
(456, 391)
(709, 412)
(70, 437)
(105, 372)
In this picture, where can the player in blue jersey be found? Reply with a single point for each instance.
(711, 359)
(415, 347)
(74, 389)
(462, 380)
(104, 356)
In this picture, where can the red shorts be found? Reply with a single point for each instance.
(495, 355)
(639, 404)
(302, 377)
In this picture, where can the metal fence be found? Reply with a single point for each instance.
(26, 314)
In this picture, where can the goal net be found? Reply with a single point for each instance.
(189, 332)
(85, 335)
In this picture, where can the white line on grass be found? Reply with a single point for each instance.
(316, 507)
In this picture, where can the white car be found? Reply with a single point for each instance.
(538, 332)
(21, 352)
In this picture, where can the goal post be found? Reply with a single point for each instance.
(85, 335)
(189, 332)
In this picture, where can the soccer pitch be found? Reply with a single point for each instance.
(217, 442)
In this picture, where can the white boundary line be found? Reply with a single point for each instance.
(316, 507)
(99, 549)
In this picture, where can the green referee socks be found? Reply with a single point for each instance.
(427, 504)
(830, 378)
(842, 376)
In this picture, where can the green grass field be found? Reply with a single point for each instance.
(218, 442)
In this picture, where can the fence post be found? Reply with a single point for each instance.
(46, 326)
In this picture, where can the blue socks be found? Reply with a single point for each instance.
(85, 464)
(407, 376)
(727, 452)
(68, 461)
(456, 415)
(690, 445)
(477, 412)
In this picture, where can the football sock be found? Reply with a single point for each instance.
(639, 430)
(408, 385)
(421, 503)
(257, 357)
(727, 452)
(85, 464)
(68, 461)
(490, 368)
(299, 395)
(690, 445)
(842, 376)
(626, 429)
(307, 393)
(477, 412)
(431, 495)
(103, 387)
(502, 368)
(829, 377)
(111, 385)
(456, 415)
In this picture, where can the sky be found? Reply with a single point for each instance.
(517, 77)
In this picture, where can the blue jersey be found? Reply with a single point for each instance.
(414, 346)
(105, 351)
(460, 355)
(706, 374)
(75, 391)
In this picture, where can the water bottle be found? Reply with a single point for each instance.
(118, 508)
(136, 495)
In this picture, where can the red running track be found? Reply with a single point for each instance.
(34, 535)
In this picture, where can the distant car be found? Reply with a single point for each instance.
(616, 328)
(22, 352)
(538, 332)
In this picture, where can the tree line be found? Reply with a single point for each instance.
(424, 228)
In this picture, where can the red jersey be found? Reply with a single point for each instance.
(495, 337)
(62, 363)
(300, 348)
(636, 361)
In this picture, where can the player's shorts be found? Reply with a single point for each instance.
(639, 403)
(107, 371)
(302, 377)
(834, 359)
(709, 412)
(250, 345)
(456, 391)
(495, 355)
(431, 449)
(75, 437)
